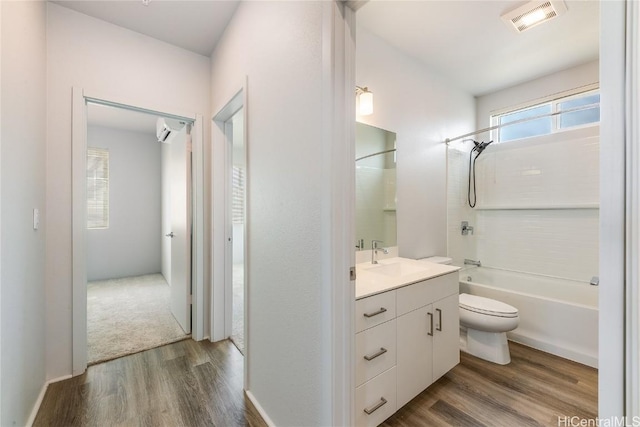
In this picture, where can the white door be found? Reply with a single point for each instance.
(180, 175)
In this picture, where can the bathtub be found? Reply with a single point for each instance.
(557, 316)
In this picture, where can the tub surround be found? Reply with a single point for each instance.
(372, 279)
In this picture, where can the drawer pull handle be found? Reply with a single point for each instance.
(430, 333)
(377, 406)
(439, 327)
(378, 354)
(375, 313)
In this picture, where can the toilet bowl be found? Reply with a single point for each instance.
(484, 324)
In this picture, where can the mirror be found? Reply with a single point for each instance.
(375, 186)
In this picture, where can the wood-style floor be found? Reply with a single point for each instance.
(200, 384)
(535, 389)
(187, 383)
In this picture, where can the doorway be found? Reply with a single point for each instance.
(237, 171)
(135, 199)
(185, 234)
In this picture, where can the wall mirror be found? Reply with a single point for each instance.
(375, 186)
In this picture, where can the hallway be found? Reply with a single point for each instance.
(186, 383)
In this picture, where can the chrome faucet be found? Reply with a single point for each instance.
(472, 262)
(375, 249)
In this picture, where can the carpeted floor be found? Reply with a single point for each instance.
(128, 315)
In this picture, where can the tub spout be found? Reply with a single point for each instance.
(472, 262)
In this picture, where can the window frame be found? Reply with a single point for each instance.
(555, 100)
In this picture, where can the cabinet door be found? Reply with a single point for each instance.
(414, 353)
(446, 337)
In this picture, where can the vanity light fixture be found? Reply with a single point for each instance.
(533, 13)
(365, 101)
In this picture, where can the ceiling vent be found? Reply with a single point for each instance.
(533, 13)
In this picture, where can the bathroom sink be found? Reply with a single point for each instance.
(397, 269)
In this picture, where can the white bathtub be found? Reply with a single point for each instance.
(556, 315)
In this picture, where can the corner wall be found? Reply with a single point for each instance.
(423, 109)
(22, 178)
(278, 48)
(131, 246)
(114, 63)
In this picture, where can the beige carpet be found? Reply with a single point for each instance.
(129, 315)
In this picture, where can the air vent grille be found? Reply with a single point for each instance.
(533, 14)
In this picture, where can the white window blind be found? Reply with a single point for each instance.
(97, 188)
(237, 201)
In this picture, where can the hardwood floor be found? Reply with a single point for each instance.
(534, 390)
(199, 384)
(187, 383)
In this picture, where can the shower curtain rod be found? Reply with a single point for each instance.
(555, 113)
(375, 154)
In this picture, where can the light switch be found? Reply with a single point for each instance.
(36, 219)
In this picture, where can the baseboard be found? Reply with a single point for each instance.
(36, 406)
(555, 349)
(260, 409)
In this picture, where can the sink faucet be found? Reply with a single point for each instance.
(472, 262)
(375, 249)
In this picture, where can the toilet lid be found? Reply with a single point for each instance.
(487, 306)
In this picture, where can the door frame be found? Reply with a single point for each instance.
(80, 98)
(222, 256)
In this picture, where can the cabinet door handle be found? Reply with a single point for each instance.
(377, 406)
(378, 354)
(375, 313)
(430, 333)
(439, 327)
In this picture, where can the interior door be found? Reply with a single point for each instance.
(180, 175)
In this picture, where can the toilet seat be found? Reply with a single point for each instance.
(487, 306)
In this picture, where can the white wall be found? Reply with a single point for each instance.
(22, 175)
(131, 246)
(423, 109)
(278, 47)
(117, 64)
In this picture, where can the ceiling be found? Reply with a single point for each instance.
(468, 42)
(464, 40)
(193, 25)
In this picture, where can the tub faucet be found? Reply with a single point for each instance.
(472, 262)
(375, 249)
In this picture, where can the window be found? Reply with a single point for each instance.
(548, 124)
(237, 202)
(97, 188)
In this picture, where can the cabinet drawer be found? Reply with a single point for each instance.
(423, 293)
(374, 310)
(375, 351)
(376, 399)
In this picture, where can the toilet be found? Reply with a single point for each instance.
(484, 323)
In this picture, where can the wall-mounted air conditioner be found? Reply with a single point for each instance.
(166, 129)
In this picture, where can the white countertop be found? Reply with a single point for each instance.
(368, 282)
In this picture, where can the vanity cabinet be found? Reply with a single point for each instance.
(375, 358)
(412, 343)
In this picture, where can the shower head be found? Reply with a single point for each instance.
(480, 146)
